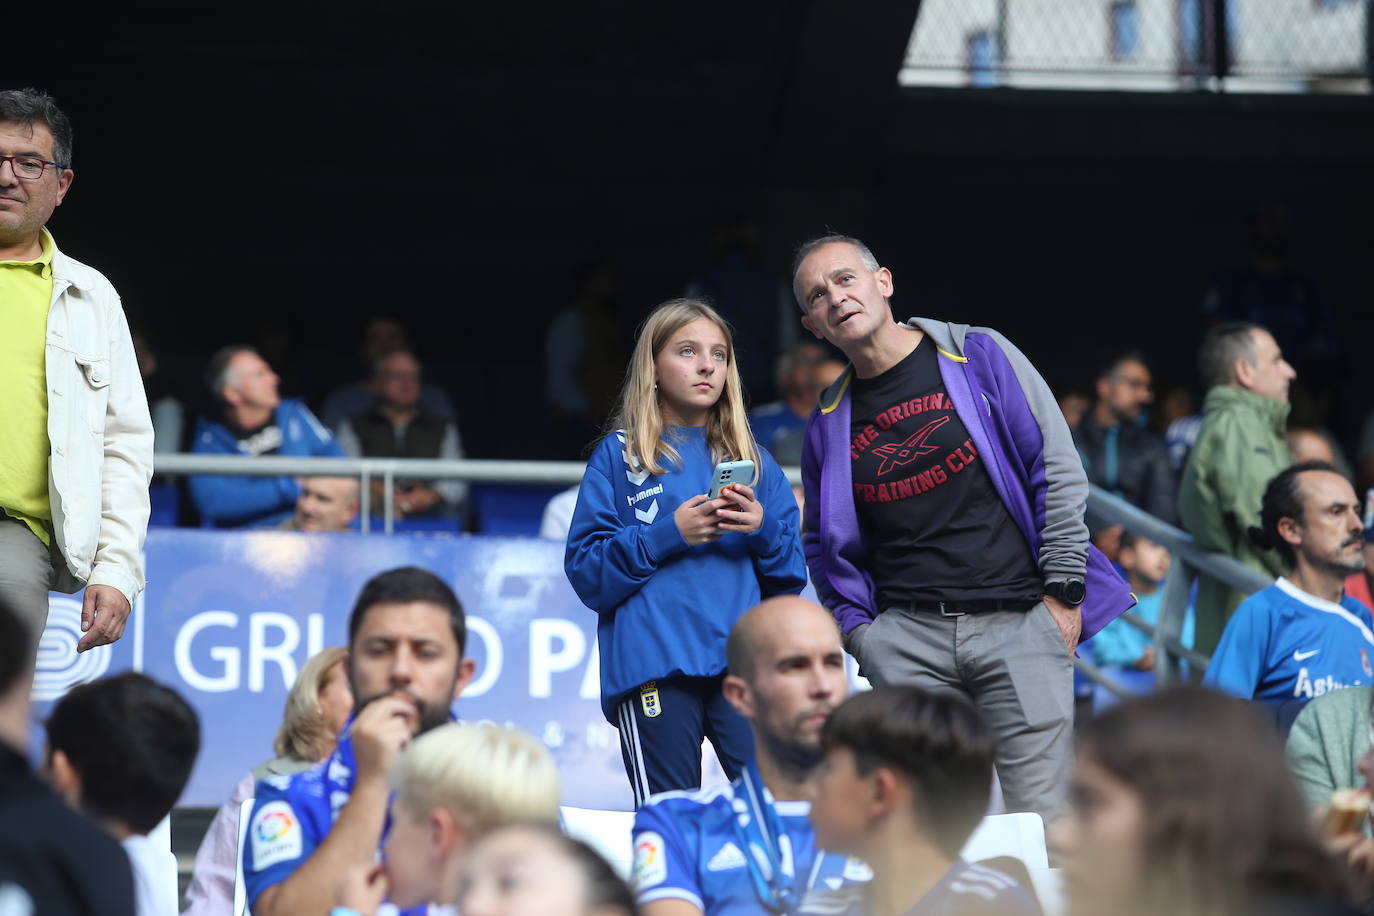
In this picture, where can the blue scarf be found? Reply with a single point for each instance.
(340, 773)
(767, 846)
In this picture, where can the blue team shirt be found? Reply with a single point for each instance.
(291, 816)
(1283, 644)
(687, 848)
(666, 608)
(293, 813)
(965, 890)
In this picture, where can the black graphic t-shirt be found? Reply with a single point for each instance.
(936, 528)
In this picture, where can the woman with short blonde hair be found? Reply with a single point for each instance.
(308, 731)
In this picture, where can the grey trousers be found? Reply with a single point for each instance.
(25, 574)
(1015, 668)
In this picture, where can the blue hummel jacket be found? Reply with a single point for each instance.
(667, 608)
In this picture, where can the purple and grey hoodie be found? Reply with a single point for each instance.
(1029, 453)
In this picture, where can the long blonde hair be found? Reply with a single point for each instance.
(641, 416)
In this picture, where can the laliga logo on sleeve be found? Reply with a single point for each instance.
(274, 825)
(650, 867)
(276, 835)
(60, 667)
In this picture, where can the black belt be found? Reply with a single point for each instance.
(970, 606)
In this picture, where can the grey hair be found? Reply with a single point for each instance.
(805, 249)
(217, 370)
(32, 106)
(1221, 347)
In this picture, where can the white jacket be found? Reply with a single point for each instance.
(99, 433)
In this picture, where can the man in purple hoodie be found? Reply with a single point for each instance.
(943, 524)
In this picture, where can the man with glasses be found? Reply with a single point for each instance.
(76, 452)
(1120, 453)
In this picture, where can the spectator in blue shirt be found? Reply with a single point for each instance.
(406, 636)
(256, 421)
(1120, 645)
(747, 847)
(789, 413)
(1302, 636)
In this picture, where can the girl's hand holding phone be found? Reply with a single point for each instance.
(696, 520)
(742, 512)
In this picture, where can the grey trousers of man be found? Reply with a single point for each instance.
(1015, 668)
(25, 574)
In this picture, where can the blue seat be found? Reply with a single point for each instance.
(502, 508)
(166, 504)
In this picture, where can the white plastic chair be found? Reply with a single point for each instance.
(608, 832)
(1020, 835)
(240, 892)
(1049, 887)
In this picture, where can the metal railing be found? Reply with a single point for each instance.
(1189, 560)
(388, 470)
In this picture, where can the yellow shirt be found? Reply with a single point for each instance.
(25, 296)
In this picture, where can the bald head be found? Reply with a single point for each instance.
(326, 503)
(760, 631)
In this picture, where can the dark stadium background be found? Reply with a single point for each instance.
(243, 167)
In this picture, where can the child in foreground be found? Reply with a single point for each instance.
(451, 785)
(533, 870)
(905, 781)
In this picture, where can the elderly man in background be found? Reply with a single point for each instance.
(77, 453)
(256, 421)
(1239, 449)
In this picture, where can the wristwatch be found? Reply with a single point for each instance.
(1069, 591)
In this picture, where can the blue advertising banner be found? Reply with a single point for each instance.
(229, 617)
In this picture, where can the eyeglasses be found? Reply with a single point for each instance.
(29, 168)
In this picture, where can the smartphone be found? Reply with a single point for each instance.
(728, 472)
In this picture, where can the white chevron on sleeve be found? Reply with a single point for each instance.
(633, 472)
(648, 516)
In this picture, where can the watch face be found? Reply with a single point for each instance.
(1074, 590)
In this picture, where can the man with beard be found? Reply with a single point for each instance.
(748, 847)
(1302, 636)
(406, 667)
(1120, 452)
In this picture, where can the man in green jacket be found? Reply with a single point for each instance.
(1239, 449)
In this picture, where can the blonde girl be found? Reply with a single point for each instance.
(667, 569)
